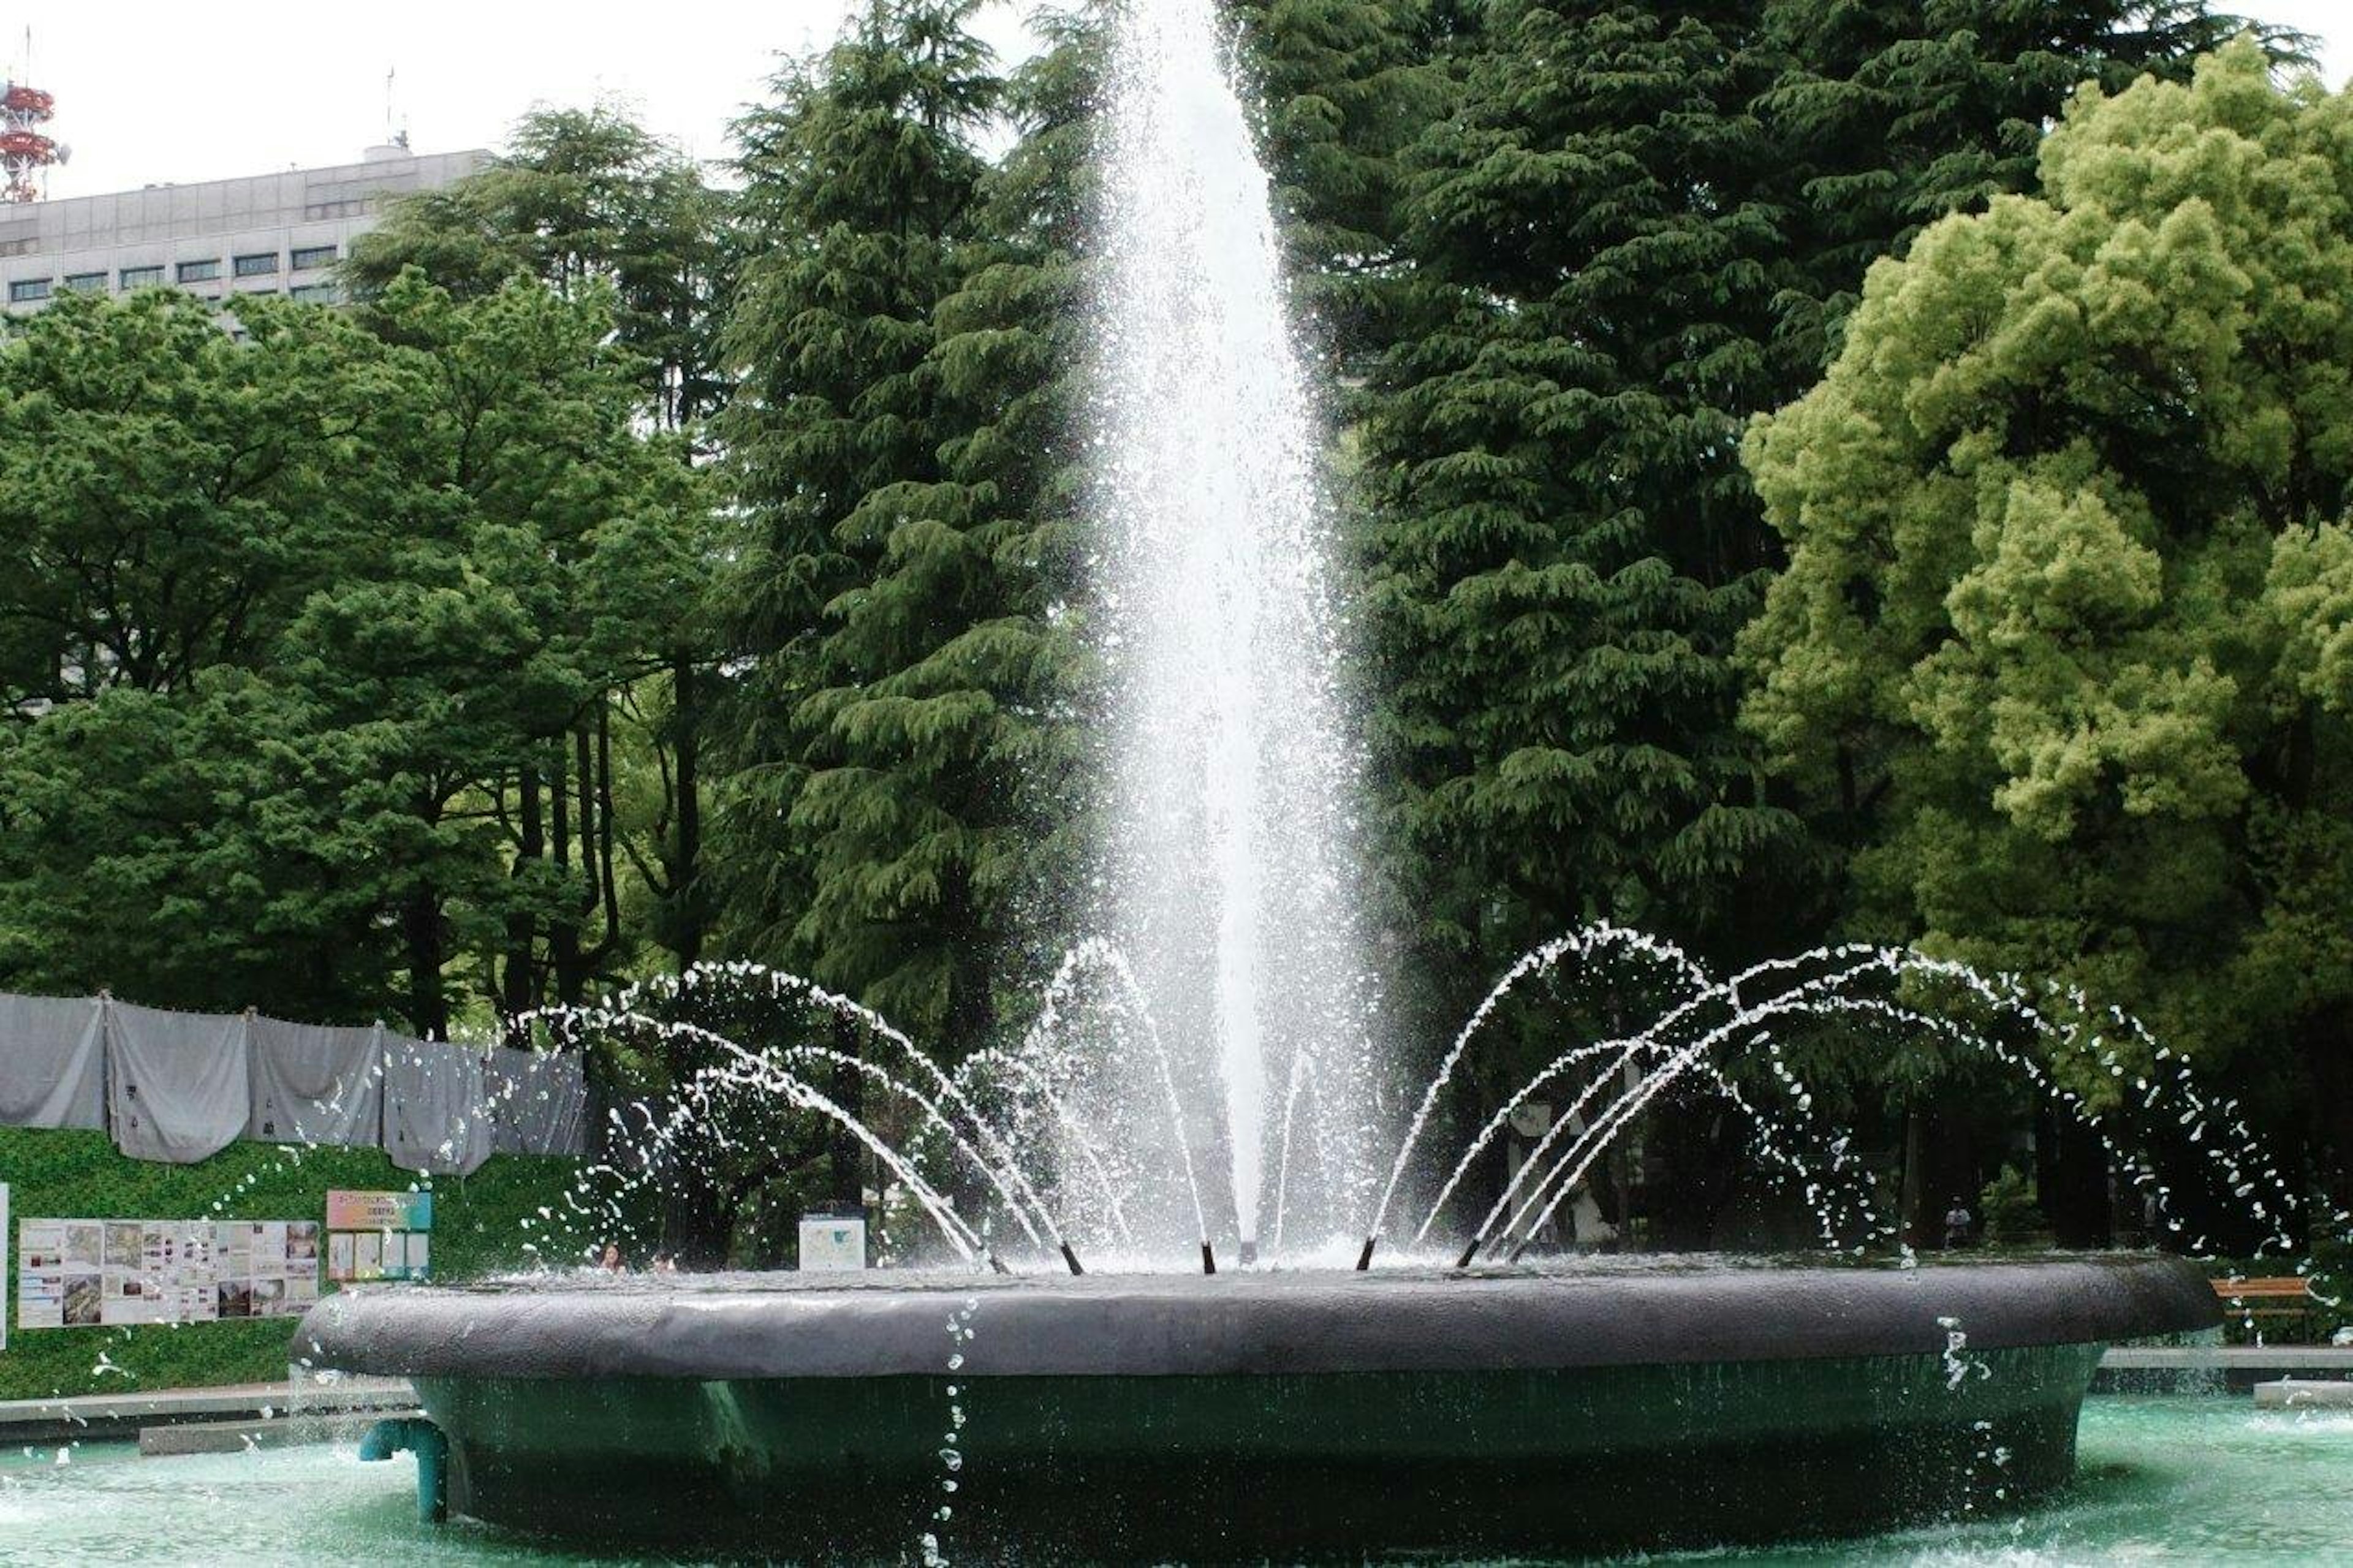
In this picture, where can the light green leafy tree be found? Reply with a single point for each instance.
(2062, 646)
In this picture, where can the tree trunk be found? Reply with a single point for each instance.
(971, 1021)
(846, 1156)
(563, 926)
(1948, 1172)
(421, 933)
(2327, 1049)
(520, 988)
(2071, 1180)
(1702, 1168)
(685, 858)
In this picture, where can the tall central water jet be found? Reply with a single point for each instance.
(1233, 769)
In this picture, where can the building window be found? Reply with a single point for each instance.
(84, 283)
(25, 289)
(198, 271)
(307, 257)
(316, 293)
(139, 278)
(263, 264)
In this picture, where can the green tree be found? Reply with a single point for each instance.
(280, 673)
(582, 199)
(2063, 632)
(1342, 87)
(1638, 227)
(1564, 546)
(865, 728)
(1891, 113)
(521, 425)
(581, 194)
(162, 490)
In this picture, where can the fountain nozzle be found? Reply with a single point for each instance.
(1364, 1259)
(1071, 1259)
(1208, 1258)
(1250, 1253)
(1469, 1253)
(997, 1263)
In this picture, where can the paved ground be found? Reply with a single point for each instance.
(123, 1415)
(2169, 1369)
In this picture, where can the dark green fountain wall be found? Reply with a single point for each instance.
(1342, 1465)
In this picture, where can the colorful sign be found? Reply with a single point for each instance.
(379, 1235)
(90, 1273)
(379, 1211)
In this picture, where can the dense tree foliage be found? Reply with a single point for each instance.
(590, 199)
(582, 195)
(653, 566)
(2062, 639)
(896, 435)
(338, 592)
(1638, 227)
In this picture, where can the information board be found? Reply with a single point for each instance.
(831, 1242)
(91, 1273)
(379, 1235)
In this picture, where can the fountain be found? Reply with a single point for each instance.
(1016, 1400)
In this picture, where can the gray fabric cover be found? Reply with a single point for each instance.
(52, 1063)
(539, 1101)
(434, 1116)
(316, 1083)
(176, 1082)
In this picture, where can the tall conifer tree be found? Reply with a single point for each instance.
(1565, 543)
(858, 730)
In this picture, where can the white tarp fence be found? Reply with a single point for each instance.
(52, 1062)
(316, 1083)
(539, 1102)
(180, 1087)
(176, 1082)
(436, 1116)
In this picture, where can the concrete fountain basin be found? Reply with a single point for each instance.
(1265, 1413)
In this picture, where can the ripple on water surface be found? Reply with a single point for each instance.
(2163, 1480)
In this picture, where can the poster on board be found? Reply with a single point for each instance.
(82, 1273)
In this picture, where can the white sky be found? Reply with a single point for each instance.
(151, 91)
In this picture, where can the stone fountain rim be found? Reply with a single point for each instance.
(1257, 1323)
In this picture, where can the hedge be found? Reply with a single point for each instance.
(477, 1228)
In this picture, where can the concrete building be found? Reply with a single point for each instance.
(269, 234)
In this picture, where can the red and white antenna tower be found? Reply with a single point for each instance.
(26, 153)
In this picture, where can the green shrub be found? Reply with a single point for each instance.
(2007, 1208)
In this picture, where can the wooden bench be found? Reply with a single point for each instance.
(2283, 1296)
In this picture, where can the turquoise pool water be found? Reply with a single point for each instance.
(2168, 1480)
